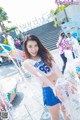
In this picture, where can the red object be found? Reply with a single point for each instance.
(17, 43)
(2, 105)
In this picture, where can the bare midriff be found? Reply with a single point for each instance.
(53, 78)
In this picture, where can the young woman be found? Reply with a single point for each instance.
(41, 63)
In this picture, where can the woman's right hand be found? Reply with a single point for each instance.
(59, 95)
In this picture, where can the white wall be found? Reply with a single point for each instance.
(71, 10)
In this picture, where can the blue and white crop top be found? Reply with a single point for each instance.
(41, 66)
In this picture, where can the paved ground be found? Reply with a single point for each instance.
(28, 104)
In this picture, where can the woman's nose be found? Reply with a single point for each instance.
(33, 49)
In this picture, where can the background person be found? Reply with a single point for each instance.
(63, 45)
(10, 40)
(74, 43)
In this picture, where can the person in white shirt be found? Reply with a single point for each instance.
(74, 44)
(10, 40)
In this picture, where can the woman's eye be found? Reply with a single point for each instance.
(36, 45)
(30, 46)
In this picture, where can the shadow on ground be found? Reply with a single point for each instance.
(18, 99)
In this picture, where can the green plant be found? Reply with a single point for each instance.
(3, 17)
(60, 8)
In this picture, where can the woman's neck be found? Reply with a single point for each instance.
(35, 58)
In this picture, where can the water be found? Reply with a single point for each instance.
(3, 96)
(69, 94)
(5, 106)
(45, 115)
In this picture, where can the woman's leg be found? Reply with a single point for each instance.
(54, 110)
(64, 62)
(52, 102)
(73, 55)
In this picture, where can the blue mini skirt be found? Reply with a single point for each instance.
(49, 97)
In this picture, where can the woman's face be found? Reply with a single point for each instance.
(32, 48)
(62, 34)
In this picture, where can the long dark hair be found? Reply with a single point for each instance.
(62, 35)
(43, 53)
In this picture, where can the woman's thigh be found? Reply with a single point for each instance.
(54, 111)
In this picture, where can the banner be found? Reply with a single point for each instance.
(70, 27)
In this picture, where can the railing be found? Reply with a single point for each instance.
(36, 22)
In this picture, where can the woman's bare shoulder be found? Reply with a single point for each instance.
(26, 61)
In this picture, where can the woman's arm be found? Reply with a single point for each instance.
(69, 47)
(56, 69)
(27, 66)
(59, 41)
